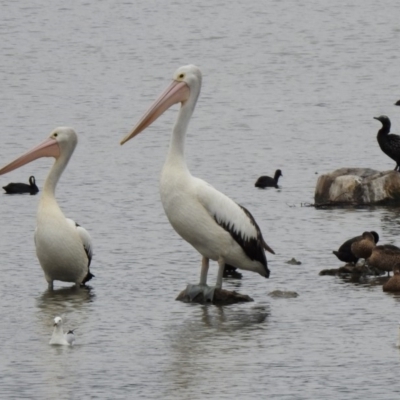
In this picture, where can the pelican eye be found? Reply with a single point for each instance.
(55, 134)
(181, 76)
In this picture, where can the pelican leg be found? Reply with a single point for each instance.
(194, 290)
(49, 282)
(205, 263)
(221, 268)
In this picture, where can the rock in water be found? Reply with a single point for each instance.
(283, 294)
(222, 297)
(358, 186)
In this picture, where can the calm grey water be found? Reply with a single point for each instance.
(286, 84)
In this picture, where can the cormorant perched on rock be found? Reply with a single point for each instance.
(267, 181)
(389, 142)
(344, 252)
(19, 188)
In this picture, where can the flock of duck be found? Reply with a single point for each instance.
(382, 258)
(217, 227)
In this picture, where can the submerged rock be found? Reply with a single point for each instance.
(352, 270)
(283, 294)
(293, 261)
(222, 297)
(357, 186)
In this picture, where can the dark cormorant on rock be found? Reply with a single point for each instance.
(19, 188)
(389, 142)
(344, 252)
(267, 181)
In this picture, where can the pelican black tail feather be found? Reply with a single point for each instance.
(87, 278)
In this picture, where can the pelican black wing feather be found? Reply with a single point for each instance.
(253, 246)
(89, 254)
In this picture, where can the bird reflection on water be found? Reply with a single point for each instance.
(204, 341)
(55, 301)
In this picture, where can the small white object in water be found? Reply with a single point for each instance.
(59, 337)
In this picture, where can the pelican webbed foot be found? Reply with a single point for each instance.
(206, 291)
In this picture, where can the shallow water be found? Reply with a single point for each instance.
(285, 85)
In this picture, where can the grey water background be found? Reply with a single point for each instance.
(286, 84)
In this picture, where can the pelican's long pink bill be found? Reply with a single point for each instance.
(49, 148)
(176, 92)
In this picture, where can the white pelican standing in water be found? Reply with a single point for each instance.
(64, 248)
(217, 227)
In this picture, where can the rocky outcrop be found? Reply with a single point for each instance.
(222, 297)
(357, 186)
(352, 270)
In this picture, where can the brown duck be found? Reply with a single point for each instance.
(393, 284)
(344, 252)
(384, 257)
(362, 248)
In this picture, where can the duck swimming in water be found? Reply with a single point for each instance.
(20, 188)
(267, 181)
(344, 252)
(389, 142)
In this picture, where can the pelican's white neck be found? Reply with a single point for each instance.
(49, 187)
(176, 152)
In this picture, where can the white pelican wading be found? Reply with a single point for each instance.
(64, 248)
(217, 227)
